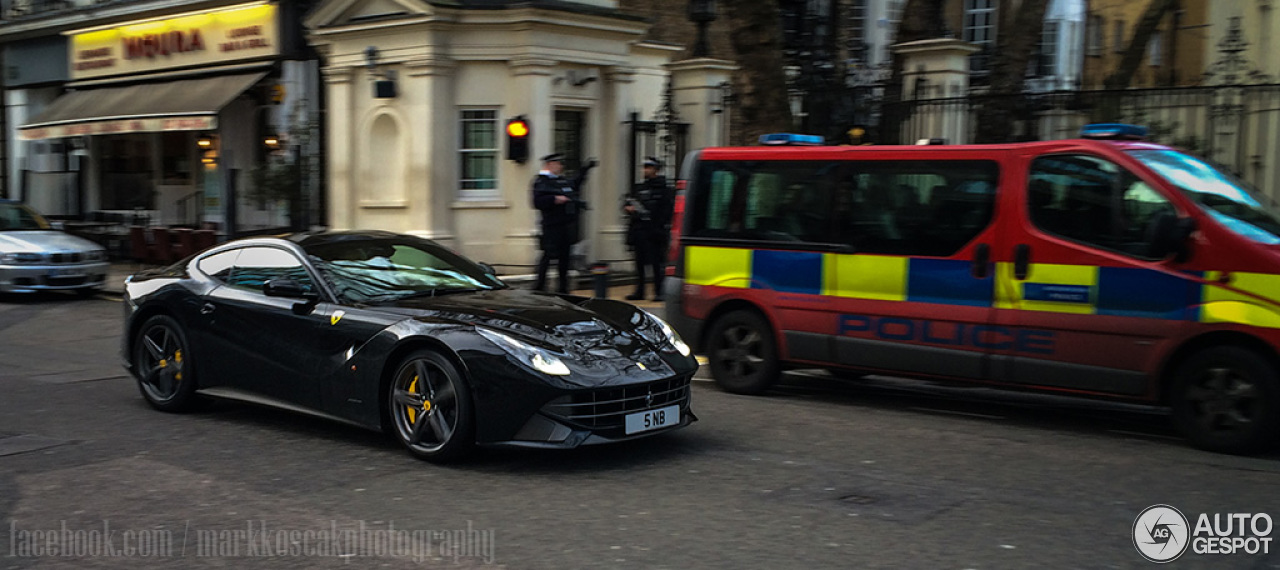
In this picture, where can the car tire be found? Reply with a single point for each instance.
(439, 427)
(1227, 399)
(163, 367)
(742, 353)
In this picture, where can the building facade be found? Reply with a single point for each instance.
(419, 93)
(1176, 54)
(170, 111)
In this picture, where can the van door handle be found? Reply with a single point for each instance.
(981, 259)
(206, 309)
(1021, 261)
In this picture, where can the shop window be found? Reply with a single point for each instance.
(1094, 201)
(176, 158)
(478, 152)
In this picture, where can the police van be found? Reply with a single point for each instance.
(1103, 266)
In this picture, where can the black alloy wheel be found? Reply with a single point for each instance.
(162, 364)
(430, 406)
(742, 354)
(1227, 399)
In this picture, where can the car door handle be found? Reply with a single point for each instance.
(1021, 261)
(981, 259)
(206, 309)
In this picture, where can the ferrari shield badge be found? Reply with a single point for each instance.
(336, 316)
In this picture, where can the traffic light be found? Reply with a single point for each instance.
(518, 139)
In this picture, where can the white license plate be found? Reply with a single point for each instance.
(65, 273)
(653, 419)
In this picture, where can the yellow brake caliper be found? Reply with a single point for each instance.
(426, 404)
(177, 357)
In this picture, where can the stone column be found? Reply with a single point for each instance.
(697, 95)
(614, 175)
(342, 201)
(530, 96)
(935, 69)
(429, 104)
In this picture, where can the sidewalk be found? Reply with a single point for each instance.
(119, 270)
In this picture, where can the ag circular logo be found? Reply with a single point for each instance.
(1161, 534)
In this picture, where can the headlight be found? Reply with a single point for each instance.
(541, 360)
(96, 255)
(669, 335)
(15, 258)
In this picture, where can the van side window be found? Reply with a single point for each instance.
(764, 200)
(1094, 201)
(920, 208)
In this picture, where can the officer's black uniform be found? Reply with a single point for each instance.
(560, 223)
(648, 229)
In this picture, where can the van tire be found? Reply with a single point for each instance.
(742, 353)
(1227, 399)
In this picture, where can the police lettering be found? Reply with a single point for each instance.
(989, 337)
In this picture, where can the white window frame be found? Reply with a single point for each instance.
(1155, 50)
(984, 34)
(464, 151)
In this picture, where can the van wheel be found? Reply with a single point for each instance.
(742, 354)
(1226, 399)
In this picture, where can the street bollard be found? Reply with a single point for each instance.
(600, 278)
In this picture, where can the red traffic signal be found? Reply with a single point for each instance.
(518, 139)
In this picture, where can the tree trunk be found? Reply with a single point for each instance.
(761, 88)
(921, 20)
(1137, 49)
(1017, 39)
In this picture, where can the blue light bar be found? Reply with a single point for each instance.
(1113, 131)
(790, 138)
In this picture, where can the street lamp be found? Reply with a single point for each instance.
(702, 13)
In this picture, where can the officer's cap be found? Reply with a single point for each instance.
(554, 157)
(652, 161)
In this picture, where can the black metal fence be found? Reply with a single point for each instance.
(1236, 126)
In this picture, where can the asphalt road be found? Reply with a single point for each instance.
(882, 473)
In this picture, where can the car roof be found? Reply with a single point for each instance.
(807, 152)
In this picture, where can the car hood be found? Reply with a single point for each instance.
(609, 342)
(561, 321)
(43, 241)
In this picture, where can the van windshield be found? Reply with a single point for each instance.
(1223, 196)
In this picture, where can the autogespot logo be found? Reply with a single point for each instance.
(1161, 533)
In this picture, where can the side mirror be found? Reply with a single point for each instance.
(291, 289)
(287, 288)
(487, 268)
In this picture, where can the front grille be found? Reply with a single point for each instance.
(66, 257)
(65, 281)
(607, 408)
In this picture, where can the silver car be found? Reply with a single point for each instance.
(36, 257)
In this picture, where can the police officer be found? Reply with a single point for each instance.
(556, 197)
(648, 209)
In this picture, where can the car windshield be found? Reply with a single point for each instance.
(1223, 196)
(16, 217)
(380, 270)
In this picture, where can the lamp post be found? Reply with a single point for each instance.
(702, 13)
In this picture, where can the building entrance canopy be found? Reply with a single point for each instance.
(184, 105)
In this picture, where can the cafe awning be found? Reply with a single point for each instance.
(182, 105)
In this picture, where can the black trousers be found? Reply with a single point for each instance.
(650, 257)
(559, 250)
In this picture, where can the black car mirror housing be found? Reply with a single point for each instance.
(291, 289)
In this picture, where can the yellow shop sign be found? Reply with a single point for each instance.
(211, 37)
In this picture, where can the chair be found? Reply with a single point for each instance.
(139, 249)
(186, 243)
(163, 250)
